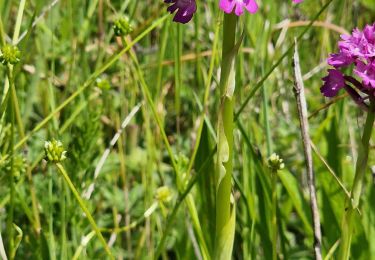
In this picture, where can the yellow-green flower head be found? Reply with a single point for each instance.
(122, 27)
(163, 194)
(275, 162)
(10, 55)
(18, 167)
(103, 84)
(54, 151)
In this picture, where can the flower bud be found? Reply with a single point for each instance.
(9, 55)
(163, 194)
(54, 151)
(18, 167)
(122, 27)
(275, 163)
(103, 84)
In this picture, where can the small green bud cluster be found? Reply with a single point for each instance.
(122, 27)
(9, 55)
(163, 194)
(54, 151)
(19, 166)
(103, 84)
(275, 163)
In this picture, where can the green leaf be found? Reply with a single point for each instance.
(369, 4)
(224, 243)
(18, 238)
(291, 185)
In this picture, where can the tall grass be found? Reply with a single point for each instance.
(77, 82)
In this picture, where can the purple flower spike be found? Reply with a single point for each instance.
(185, 9)
(332, 83)
(357, 52)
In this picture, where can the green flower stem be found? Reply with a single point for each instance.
(274, 215)
(352, 204)
(63, 221)
(10, 228)
(84, 208)
(225, 209)
(12, 194)
(51, 233)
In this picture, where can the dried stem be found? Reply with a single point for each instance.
(303, 118)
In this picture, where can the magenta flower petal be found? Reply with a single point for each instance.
(185, 9)
(238, 6)
(339, 60)
(367, 73)
(369, 33)
(252, 6)
(332, 83)
(227, 6)
(360, 44)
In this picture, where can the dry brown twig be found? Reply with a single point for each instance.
(303, 118)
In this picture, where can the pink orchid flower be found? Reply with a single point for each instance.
(239, 5)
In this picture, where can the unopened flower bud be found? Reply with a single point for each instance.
(103, 84)
(163, 194)
(275, 163)
(9, 55)
(54, 151)
(17, 165)
(122, 27)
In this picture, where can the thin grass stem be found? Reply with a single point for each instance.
(71, 186)
(274, 215)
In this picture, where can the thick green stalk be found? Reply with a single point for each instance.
(225, 208)
(352, 204)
